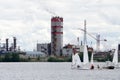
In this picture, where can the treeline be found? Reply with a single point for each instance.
(60, 59)
(20, 57)
(108, 57)
(9, 57)
(15, 57)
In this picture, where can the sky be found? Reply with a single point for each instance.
(30, 21)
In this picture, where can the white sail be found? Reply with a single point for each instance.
(85, 55)
(115, 56)
(73, 60)
(92, 58)
(76, 60)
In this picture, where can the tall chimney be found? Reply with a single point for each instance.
(7, 44)
(56, 35)
(14, 43)
(119, 47)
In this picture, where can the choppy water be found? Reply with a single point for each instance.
(52, 71)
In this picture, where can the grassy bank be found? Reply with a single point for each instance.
(59, 59)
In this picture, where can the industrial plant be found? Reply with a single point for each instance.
(55, 47)
(6, 47)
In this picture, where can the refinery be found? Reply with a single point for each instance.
(5, 47)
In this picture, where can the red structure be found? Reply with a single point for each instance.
(56, 35)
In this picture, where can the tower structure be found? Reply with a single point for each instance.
(7, 45)
(56, 35)
(98, 43)
(14, 43)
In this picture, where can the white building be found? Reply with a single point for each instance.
(81, 48)
(66, 51)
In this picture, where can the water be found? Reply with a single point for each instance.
(52, 71)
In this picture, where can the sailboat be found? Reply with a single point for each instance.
(85, 55)
(85, 65)
(115, 59)
(92, 64)
(76, 61)
(114, 63)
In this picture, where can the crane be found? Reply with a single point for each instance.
(97, 38)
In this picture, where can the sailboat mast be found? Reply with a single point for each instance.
(85, 52)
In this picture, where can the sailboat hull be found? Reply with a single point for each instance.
(83, 69)
(109, 67)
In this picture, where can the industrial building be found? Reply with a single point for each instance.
(56, 35)
(67, 50)
(5, 47)
(44, 47)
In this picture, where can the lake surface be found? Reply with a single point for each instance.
(52, 71)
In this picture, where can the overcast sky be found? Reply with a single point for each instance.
(29, 20)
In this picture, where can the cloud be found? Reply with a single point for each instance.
(29, 20)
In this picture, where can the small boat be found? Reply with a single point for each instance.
(114, 63)
(115, 59)
(109, 65)
(85, 65)
(76, 62)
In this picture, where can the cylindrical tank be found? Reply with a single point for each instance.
(56, 35)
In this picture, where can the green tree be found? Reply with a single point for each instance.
(15, 57)
(1, 59)
(38, 58)
(7, 57)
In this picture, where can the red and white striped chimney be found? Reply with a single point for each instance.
(56, 35)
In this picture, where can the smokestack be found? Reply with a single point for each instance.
(56, 35)
(81, 43)
(7, 44)
(14, 43)
(78, 40)
(118, 46)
